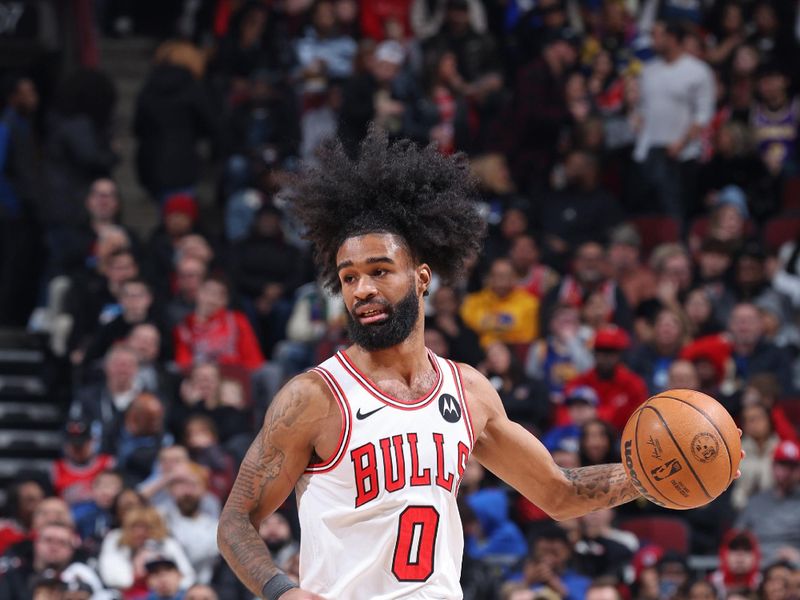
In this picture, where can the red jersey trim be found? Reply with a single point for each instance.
(463, 397)
(373, 390)
(344, 434)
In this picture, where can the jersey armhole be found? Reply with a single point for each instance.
(462, 396)
(344, 434)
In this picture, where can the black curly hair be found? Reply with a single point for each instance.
(427, 199)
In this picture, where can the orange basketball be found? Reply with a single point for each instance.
(681, 449)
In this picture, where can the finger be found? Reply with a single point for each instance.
(738, 474)
(740, 431)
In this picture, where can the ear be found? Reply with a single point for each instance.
(424, 275)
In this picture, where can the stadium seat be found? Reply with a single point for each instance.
(671, 533)
(655, 230)
(781, 229)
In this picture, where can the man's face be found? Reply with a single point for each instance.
(589, 267)
(25, 98)
(200, 592)
(678, 269)
(164, 581)
(785, 475)
(524, 253)
(606, 361)
(102, 202)
(745, 325)
(136, 300)
(602, 593)
(381, 289)
(105, 488)
(741, 561)
(121, 268)
(211, 297)
(51, 510)
(445, 301)
(554, 553)
(79, 450)
(121, 367)
(749, 272)
(190, 274)
(187, 492)
(275, 531)
(622, 257)
(145, 340)
(502, 278)
(54, 547)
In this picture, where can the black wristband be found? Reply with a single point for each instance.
(277, 586)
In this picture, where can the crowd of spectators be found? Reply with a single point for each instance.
(638, 167)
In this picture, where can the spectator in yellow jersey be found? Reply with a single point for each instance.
(501, 311)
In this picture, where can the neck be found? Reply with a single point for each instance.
(407, 359)
(119, 387)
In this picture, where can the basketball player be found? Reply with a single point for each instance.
(375, 440)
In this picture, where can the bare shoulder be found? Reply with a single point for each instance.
(303, 401)
(484, 403)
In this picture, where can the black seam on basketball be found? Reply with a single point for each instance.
(686, 460)
(714, 425)
(639, 458)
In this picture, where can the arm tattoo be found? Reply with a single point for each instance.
(601, 486)
(239, 541)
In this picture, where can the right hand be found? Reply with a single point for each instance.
(298, 594)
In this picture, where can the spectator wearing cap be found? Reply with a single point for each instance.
(589, 277)
(581, 405)
(173, 114)
(673, 574)
(637, 282)
(677, 103)
(194, 530)
(179, 216)
(739, 564)
(73, 474)
(618, 389)
(562, 355)
(651, 361)
(376, 95)
(50, 510)
(501, 311)
(773, 515)
(163, 579)
(215, 333)
(728, 219)
(266, 270)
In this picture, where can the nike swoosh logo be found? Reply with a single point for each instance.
(360, 416)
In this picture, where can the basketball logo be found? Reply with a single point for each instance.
(449, 408)
(705, 447)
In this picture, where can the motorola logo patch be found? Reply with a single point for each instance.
(449, 408)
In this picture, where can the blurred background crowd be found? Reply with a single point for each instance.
(638, 170)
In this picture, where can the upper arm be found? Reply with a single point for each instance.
(282, 450)
(510, 451)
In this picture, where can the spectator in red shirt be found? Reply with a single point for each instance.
(74, 473)
(619, 389)
(214, 333)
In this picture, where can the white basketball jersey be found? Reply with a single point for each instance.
(379, 518)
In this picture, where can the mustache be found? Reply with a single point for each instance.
(383, 303)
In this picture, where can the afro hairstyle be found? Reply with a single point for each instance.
(427, 199)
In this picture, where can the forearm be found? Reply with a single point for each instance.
(245, 551)
(594, 488)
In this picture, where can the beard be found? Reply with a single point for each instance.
(188, 505)
(394, 329)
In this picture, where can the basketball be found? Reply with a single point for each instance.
(681, 449)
